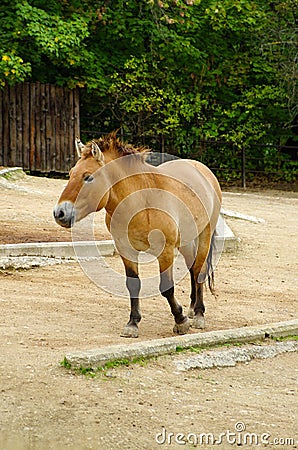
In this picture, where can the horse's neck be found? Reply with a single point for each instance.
(126, 175)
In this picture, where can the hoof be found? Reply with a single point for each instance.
(130, 332)
(198, 322)
(182, 328)
(190, 313)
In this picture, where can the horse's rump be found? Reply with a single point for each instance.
(202, 192)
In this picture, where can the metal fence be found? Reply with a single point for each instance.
(232, 164)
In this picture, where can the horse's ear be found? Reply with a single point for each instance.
(79, 146)
(96, 152)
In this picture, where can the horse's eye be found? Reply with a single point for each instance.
(88, 178)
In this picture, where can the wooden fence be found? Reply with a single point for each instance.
(38, 126)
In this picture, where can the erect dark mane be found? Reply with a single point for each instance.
(110, 143)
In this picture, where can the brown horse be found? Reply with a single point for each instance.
(148, 209)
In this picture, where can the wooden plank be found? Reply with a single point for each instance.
(45, 118)
(43, 112)
(76, 123)
(26, 125)
(63, 155)
(2, 149)
(64, 116)
(76, 112)
(71, 128)
(55, 129)
(6, 135)
(32, 125)
(59, 131)
(50, 132)
(38, 112)
(68, 114)
(12, 161)
(47, 124)
(19, 125)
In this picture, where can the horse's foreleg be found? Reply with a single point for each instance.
(133, 285)
(167, 290)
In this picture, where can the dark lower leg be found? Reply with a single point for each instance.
(166, 287)
(133, 285)
(176, 308)
(193, 294)
(135, 314)
(181, 321)
(199, 307)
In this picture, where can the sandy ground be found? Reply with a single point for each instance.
(50, 311)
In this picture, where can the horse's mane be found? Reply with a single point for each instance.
(111, 144)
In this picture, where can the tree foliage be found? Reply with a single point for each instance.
(187, 69)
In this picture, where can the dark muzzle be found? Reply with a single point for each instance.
(64, 214)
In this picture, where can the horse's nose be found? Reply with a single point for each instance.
(64, 214)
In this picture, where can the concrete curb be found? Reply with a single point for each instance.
(86, 249)
(237, 215)
(12, 170)
(157, 347)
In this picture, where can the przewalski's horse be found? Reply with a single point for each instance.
(148, 209)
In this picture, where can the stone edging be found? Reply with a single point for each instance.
(157, 347)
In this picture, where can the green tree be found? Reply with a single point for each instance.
(185, 69)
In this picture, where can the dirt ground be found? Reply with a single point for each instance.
(50, 311)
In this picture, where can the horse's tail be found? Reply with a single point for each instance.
(209, 262)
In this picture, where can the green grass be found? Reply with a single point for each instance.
(200, 348)
(65, 363)
(293, 337)
(103, 370)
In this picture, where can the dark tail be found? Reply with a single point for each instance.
(210, 269)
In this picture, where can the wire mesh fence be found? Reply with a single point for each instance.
(232, 164)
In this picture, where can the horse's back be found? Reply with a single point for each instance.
(195, 175)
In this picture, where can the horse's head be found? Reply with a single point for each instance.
(78, 199)
(93, 176)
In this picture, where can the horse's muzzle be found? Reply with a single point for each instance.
(64, 214)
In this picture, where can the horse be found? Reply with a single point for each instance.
(160, 210)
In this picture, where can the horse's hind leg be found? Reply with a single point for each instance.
(198, 271)
(196, 296)
(133, 285)
(166, 287)
(199, 308)
(196, 307)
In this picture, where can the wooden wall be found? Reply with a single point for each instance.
(38, 126)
